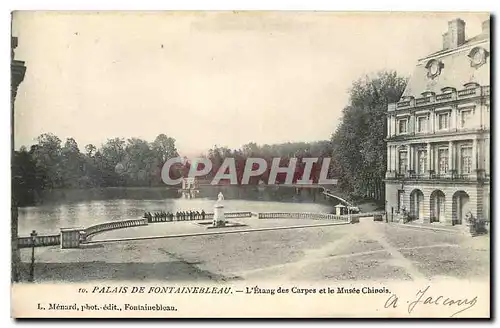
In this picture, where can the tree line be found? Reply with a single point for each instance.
(50, 164)
(119, 162)
(357, 149)
(284, 152)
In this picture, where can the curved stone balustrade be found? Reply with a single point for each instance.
(114, 225)
(49, 240)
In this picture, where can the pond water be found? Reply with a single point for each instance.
(48, 218)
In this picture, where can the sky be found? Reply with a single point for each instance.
(207, 78)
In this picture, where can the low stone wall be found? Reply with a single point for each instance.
(48, 240)
(234, 215)
(352, 218)
(355, 217)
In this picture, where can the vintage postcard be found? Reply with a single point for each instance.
(273, 164)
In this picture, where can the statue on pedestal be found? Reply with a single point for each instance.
(219, 218)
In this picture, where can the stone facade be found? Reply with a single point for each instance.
(438, 134)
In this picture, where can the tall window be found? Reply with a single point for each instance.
(465, 118)
(422, 124)
(403, 161)
(403, 126)
(466, 159)
(422, 161)
(443, 160)
(443, 121)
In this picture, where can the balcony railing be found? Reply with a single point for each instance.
(444, 97)
(403, 104)
(423, 134)
(422, 101)
(431, 175)
(467, 92)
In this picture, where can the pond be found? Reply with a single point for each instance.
(49, 218)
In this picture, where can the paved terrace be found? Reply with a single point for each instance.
(364, 251)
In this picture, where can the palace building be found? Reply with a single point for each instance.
(438, 134)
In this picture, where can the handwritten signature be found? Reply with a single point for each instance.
(423, 298)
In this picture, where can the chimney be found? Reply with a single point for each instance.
(446, 41)
(486, 26)
(456, 33)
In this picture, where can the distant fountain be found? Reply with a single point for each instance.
(189, 188)
(219, 217)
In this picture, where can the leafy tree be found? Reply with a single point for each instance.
(90, 150)
(113, 151)
(138, 162)
(28, 179)
(112, 154)
(164, 147)
(72, 164)
(47, 154)
(358, 143)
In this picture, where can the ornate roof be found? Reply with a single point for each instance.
(452, 68)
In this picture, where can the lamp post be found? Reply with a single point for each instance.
(32, 266)
(386, 213)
